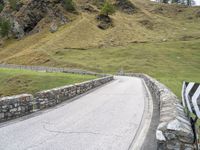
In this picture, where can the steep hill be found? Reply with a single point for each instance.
(158, 39)
(151, 22)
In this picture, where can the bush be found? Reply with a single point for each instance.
(5, 27)
(69, 5)
(13, 4)
(1, 7)
(107, 8)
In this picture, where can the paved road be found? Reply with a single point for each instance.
(106, 119)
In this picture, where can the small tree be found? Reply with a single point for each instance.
(107, 8)
(5, 27)
(69, 5)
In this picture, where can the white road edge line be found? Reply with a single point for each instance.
(143, 129)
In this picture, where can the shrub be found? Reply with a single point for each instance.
(13, 4)
(69, 5)
(1, 7)
(5, 27)
(107, 8)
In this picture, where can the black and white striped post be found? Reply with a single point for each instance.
(191, 101)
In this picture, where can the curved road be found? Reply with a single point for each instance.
(108, 118)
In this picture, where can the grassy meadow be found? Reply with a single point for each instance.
(169, 62)
(14, 81)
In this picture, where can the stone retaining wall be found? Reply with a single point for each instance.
(20, 105)
(174, 131)
(50, 69)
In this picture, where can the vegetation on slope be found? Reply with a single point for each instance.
(158, 39)
(169, 62)
(13, 81)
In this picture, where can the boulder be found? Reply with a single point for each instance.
(53, 27)
(104, 21)
(125, 6)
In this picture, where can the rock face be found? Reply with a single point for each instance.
(105, 21)
(28, 14)
(125, 6)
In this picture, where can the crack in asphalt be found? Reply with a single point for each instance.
(79, 132)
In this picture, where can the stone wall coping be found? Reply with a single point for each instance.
(7, 98)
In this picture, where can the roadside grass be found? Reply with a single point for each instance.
(14, 81)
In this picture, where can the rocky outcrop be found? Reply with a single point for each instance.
(20, 105)
(28, 14)
(104, 21)
(125, 6)
(146, 23)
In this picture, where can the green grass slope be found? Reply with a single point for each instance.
(13, 81)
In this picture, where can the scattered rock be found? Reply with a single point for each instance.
(88, 8)
(17, 29)
(53, 27)
(179, 10)
(105, 21)
(126, 6)
(164, 40)
(148, 24)
(160, 136)
(190, 18)
(158, 10)
(186, 37)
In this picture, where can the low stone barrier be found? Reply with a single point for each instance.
(50, 69)
(20, 105)
(174, 131)
(15, 106)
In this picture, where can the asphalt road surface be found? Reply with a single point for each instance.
(108, 118)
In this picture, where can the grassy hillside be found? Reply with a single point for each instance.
(160, 40)
(13, 81)
(169, 62)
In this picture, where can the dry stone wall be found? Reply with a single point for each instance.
(50, 69)
(20, 105)
(174, 131)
